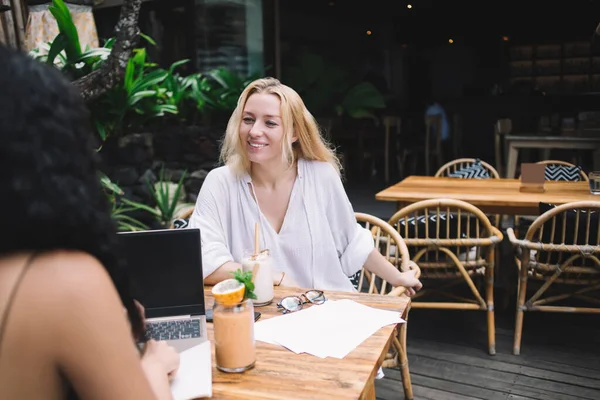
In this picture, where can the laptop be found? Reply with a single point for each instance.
(165, 268)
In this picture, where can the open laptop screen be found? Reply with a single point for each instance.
(165, 267)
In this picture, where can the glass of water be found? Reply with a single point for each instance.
(595, 182)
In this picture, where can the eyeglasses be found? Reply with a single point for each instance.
(295, 303)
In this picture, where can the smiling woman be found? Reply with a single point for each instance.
(281, 173)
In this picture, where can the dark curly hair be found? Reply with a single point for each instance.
(52, 197)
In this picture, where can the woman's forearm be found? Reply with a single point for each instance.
(225, 271)
(380, 266)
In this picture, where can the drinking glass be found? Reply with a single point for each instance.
(234, 336)
(263, 281)
(594, 182)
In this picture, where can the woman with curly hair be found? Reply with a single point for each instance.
(63, 332)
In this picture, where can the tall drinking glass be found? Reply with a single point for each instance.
(263, 281)
(594, 182)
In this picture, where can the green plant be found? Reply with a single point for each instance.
(167, 200)
(65, 50)
(125, 222)
(246, 279)
(136, 100)
(215, 93)
(120, 210)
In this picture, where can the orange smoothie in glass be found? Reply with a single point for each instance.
(233, 320)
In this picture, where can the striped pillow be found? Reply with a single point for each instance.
(473, 171)
(556, 172)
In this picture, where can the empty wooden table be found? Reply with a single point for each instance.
(281, 374)
(496, 196)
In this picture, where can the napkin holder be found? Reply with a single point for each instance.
(532, 178)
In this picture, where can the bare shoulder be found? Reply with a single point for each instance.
(70, 270)
(65, 282)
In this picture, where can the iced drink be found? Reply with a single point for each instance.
(234, 337)
(263, 281)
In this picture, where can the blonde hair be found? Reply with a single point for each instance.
(297, 122)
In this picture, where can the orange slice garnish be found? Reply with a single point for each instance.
(229, 292)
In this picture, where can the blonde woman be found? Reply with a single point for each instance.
(279, 171)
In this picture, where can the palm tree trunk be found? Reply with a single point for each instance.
(127, 35)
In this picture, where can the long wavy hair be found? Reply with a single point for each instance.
(52, 198)
(297, 122)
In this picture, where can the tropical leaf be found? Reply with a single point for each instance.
(58, 45)
(108, 184)
(61, 13)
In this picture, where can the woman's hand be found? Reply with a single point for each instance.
(380, 266)
(410, 282)
(283, 279)
(161, 356)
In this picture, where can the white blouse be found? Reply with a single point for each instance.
(320, 244)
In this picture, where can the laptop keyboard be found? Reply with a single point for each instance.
(169, 330)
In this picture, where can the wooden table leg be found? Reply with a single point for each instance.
(400, 205)
(511, 164)
(369, 392)
(403, 358)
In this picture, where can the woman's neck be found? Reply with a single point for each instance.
(269, 177)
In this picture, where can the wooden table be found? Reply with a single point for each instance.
(281, 374)
(494, 196)
(515, 142)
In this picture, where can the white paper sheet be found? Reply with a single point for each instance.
(332, 329)
(194, 377)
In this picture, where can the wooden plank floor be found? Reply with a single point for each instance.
(560, 358)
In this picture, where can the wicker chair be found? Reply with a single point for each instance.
(527, 219)
(455, 165)
(451, 167)
(561, 262)
(455, 244)
(391, 245)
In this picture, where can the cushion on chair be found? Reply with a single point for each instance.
(555, 172)
(473, 171)
(354, 280)
(416, 229)
(180, 223)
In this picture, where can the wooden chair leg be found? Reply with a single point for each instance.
(518, 332)
(520, 309)
(489, 290)
(403, 359)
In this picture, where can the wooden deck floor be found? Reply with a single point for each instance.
(560, 358)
